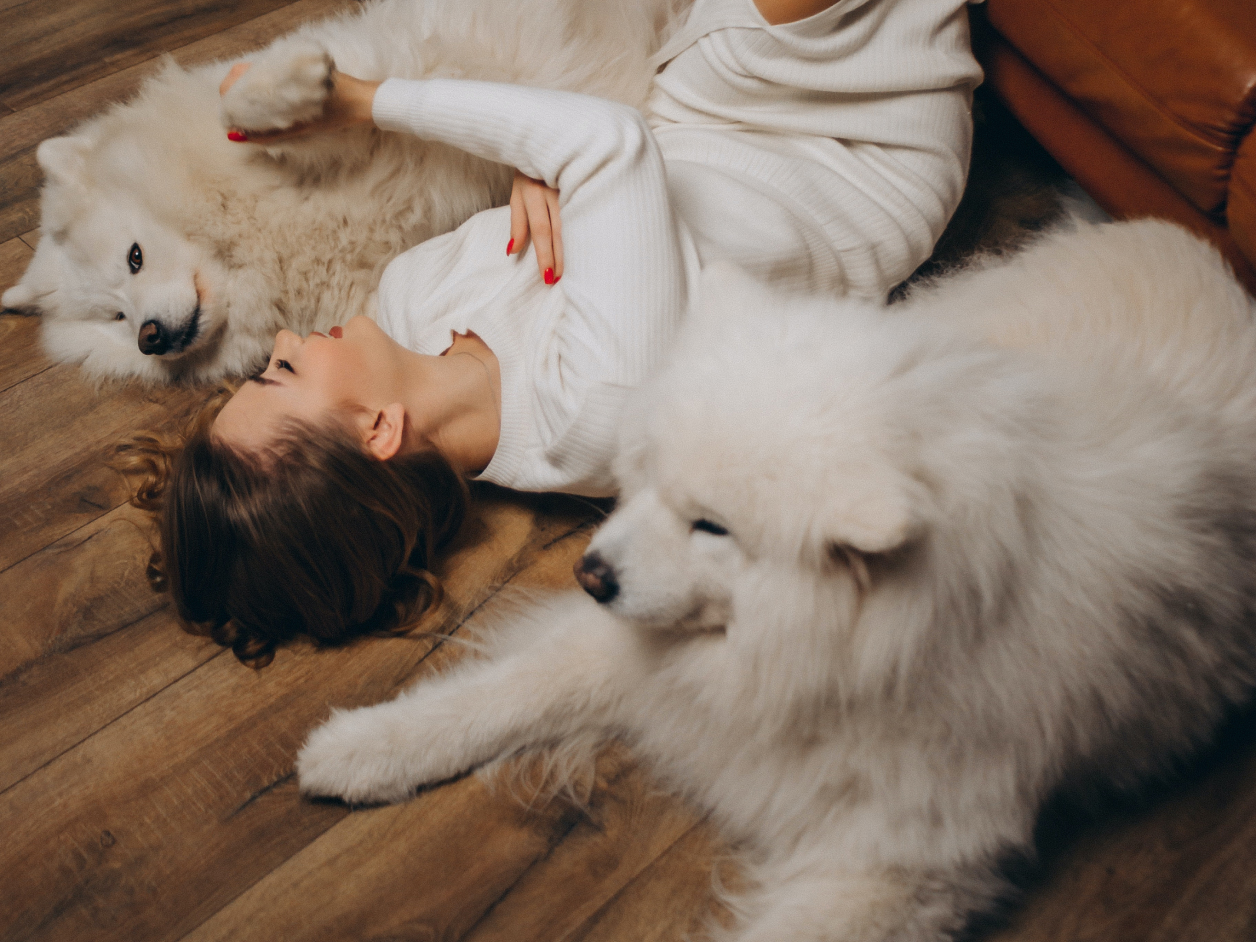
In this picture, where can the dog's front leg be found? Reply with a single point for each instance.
(559, 672)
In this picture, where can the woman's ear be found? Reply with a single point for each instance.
(383, 436)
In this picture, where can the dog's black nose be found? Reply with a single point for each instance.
(596, 577)
(154, 338)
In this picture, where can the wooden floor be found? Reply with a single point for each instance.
(146, 786)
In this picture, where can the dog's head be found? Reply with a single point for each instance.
(123, 287)
(760, 467)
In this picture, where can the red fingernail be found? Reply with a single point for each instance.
(237, 136)
(510, 246)
(549, 276)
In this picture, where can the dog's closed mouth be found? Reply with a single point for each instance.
(188, 335)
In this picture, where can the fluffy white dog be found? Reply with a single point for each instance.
(168, 252)
(881, 580)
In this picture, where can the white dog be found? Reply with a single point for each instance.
(881, 580)
(168, 252)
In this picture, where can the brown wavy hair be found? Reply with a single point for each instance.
(314, 536)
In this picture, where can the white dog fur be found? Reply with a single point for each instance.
(982, 546)
(238, 241)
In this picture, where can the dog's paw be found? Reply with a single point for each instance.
(363, 756)
(281, 88)
(382, 753)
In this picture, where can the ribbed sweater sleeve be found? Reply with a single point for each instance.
(623, 291)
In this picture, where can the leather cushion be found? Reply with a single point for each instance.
(1173, 80)
(1241, 211)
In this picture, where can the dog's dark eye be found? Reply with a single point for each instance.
(706, 526)
(119, 316)
(135, 258)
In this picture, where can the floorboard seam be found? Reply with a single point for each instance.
(66, 535)
(25, 378)
(124, 713)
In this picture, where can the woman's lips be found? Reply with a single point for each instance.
(337, 332)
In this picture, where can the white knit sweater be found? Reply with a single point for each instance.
(828, 153)
(569, 353)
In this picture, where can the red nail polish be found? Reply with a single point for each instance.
(510, 246)
(549, 276)
(237, 136)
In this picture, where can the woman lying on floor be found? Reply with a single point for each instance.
(820, 144)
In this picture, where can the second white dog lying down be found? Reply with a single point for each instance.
(881, 580)
(169, 253)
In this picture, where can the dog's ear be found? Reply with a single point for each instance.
(869, 511)
(38, 282)
(62, 159)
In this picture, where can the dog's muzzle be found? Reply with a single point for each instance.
(596, 577)
(156, 338)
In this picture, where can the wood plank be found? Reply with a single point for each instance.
(60, 698)
(670, 901)
(1177, 864)
(22, 132)
(430, 868)
(78, 590)
(630, 825)
(47, 48)
(426, 869)
(20, 178)
(113, 839)
(20, 353)
(59, 433)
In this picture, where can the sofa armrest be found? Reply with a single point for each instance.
(1173, 80)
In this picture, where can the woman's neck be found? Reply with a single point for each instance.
(453, 403)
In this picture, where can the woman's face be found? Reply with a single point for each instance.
(310, 380)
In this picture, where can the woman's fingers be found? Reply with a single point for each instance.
(541, 230)
(233, 76)
(556, 228)
(518, 217)
(534, 215)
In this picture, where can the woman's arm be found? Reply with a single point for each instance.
(533, 205)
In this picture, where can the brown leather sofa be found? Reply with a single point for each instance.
(1148, 104)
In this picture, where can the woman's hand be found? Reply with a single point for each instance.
(534, 213)
(348, 104)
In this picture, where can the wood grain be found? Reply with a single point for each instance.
(49, 47)
(194, 779)
(20, 354)
(670, 901)
(473, 851)
(1177, 863)
(80, 589)
(59, 434)
(58, 699)
(629, 826)
(427, 869)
